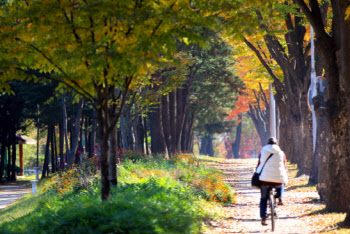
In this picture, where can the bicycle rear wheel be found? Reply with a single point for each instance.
(272, 209)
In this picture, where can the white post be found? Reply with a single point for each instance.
(36, 173)
(313, 89)
(34, 182)
(272, 113)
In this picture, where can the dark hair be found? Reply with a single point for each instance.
(272, 141)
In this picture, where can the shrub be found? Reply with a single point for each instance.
(157, 206)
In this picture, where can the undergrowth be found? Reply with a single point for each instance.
(154, 195)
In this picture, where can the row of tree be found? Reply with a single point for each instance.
(281, 47)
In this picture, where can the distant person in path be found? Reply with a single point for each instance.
(274, 174)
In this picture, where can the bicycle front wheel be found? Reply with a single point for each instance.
(272, 209)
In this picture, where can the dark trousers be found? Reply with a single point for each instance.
(265, 193)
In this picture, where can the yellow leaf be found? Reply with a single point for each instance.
(185, 39)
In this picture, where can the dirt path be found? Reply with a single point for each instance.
(10, 192)
(243, 217)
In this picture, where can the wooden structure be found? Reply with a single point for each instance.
(20, 140)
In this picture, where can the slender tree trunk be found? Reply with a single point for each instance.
(173, 121)
(140, 134)
(56, 150)
(124, 132)
(13, 173)
(9, 162)
(113, 157)
(165, 116)
(204, 146)
(210, 149)
(156, 130)
(61, 132)
(2, 160)
(237, 143)
(104, 150)
(92, 137)
(65, 128)
(47, 152)
(146, 135)
(86, 134)
(75, 138)
(53, 169)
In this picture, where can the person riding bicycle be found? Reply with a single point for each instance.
(274, 174)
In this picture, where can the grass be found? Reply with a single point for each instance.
(168, 196)
(27, 178)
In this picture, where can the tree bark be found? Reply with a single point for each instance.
(124, 132)
(92, 136)
(165, 118)
(146, 135)
(322, 148)
(156, 130)
(9, 162)
(53, 168)
(335, 52)
(47, 152)
(13, 169)
(75, 138)
(65, 127)
(61, 132)
(237, 143)
(2, 160)
(113, 157)
(104, 150)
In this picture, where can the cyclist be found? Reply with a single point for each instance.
(274, 174)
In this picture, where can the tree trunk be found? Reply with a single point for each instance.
(47, 152)
(141, 134)
(146, 135)
(9, 162)
(13, 173)
(237, 143)
(156, 130)
(61, 132)
(165, 117)
(55, 151)
(65, 128)
(2, 159)
(210, 148)
(104, 150)
(204, 146)
(173, 121)
(53, 168)
(322, 149)
(123, 128)
(92, 137)
(75, 138)
(113, 157)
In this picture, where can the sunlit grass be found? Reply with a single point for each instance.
(195, 192)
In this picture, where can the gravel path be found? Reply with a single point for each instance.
(10, 192)
(243, 217)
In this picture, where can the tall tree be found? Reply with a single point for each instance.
(335, 50)
(96, 48)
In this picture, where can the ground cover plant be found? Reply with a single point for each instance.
(155, 195)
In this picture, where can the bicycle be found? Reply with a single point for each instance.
(272, 205)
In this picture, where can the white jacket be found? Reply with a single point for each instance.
(274, 170)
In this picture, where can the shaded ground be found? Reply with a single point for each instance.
(10, 192)
(294, 217)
